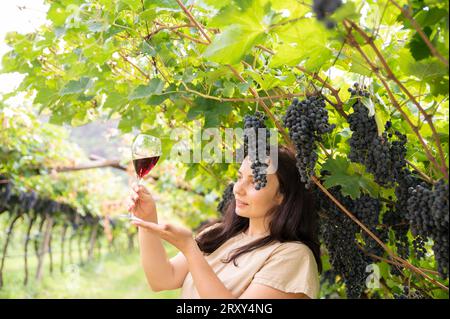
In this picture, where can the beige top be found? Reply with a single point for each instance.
(289, 267)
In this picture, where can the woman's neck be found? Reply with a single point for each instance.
(257, 226)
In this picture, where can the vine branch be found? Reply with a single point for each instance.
(192, 19)
(407, 13)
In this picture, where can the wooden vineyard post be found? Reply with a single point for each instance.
(44, 247)
(80, 255)
(63, 238)
(92, 241)
(50, 253)
(5, 246)
(27, 239)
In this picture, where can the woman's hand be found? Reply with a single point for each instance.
(141, 203)
(178, 236)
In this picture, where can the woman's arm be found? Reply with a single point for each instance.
(205, 279)
(161, 273)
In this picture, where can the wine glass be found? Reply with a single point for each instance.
(145, 150)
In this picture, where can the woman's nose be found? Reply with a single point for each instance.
(238, 189)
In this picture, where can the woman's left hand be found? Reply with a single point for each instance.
(178, 236)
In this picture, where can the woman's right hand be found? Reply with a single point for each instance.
(141, 203)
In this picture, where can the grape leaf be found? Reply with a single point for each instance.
(155, 86)
(343, 173)
(73, 86)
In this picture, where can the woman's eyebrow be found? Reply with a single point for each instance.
(249, 175)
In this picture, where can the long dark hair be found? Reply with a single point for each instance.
(295, 219)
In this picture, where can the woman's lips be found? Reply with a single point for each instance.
(240, 203)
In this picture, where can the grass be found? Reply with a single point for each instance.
(109, 276)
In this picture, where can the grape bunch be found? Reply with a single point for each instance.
(394, 220)
(324, 8)
(256, 146)
(227, 197)
(428, 214)
(383, 158)
(398, 219)
(338, 234)
(307, 121)
(367, 210)
(360, 90)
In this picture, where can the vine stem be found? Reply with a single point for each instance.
(406, 12)
(256, 99)
(166, 27)
(134, 65)
(391, 76)
(334, 92)
(192, 19)
(375, 69)
(424, 176)
(431, 271)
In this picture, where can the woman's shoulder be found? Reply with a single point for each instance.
(293, 247)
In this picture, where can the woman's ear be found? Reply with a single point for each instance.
(279, 197)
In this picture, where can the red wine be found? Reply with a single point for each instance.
(143, 166)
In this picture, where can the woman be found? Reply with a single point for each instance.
(265, 246)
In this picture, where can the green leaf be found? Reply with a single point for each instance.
(253, 16)
(228, 89)
(157, 99)
(418, 48)
(430, 17)
(162, 4)
(155, 86)
(345, 174)
(230, 46)
(346, 11)
(115, 101)
(73, 87)
(98, 25)
(147, 49)
(212, 111)
(191, 172)
(46, 96)
(305, 40)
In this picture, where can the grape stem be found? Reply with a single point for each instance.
(194, 21)
(335, 92)
(424, 176)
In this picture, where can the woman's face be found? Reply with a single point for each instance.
(250, 202)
